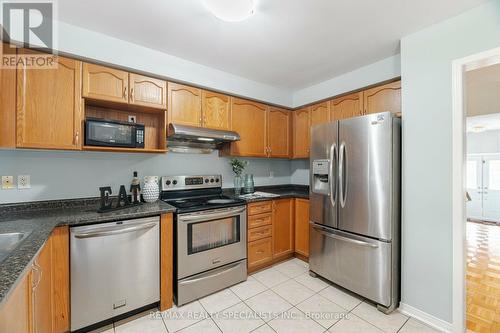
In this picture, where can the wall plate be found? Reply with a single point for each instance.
(7, 182)
(23, 182)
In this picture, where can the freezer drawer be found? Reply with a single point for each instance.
(356, 263)
(114, 269)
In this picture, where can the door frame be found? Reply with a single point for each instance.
(459, 157)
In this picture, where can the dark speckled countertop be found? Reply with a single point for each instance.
(38, 219)
(283, 191)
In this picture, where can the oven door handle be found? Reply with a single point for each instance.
(211, 274)
(209, 216)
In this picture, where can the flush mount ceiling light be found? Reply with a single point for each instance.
(230, 10)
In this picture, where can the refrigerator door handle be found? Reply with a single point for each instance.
(342, 174)
(333, 172)
(344, 239)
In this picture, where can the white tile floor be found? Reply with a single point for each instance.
(283, 298)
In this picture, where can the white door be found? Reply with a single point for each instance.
(474, 187)
(491, 187)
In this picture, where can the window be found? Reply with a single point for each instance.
(494, 175)
(472, 175)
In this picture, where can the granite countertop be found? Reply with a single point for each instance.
(38, 219)
(283, 191)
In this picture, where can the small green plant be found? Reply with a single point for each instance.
(238, 166)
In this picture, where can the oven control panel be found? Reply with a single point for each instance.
(172, 183)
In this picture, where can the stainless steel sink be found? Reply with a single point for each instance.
(9, 241)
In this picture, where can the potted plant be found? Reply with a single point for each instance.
(238, 167)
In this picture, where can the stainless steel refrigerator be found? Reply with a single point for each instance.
(355, 206)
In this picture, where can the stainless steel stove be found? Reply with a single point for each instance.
(210, 236)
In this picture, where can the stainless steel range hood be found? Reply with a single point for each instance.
(190, 139)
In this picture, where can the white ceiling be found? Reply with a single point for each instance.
(289, 44)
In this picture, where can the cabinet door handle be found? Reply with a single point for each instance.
(77, 137)
(132, 94)
(125, 92)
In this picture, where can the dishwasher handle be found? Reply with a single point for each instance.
(102, 232)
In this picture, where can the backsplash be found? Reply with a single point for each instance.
(65, 175)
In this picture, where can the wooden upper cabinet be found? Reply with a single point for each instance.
(302, 226)
(249, 119)
(184, 105)
(320, 113)
(216, 110)
(301, 133)
(383, 98)
(147, 91)
(283, 224)
(346, 106)
(104, 83)
(7, 101)
(48, 107)
(279, 133)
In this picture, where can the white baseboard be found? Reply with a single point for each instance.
(425, 318)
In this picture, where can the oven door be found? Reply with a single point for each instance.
(210, 239)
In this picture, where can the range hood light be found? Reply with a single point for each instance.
(206, 139)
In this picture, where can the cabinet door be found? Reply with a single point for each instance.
(301, 133)
(279, 133)
(383, 98)
(59, 242)
(283, 235)
(249, 119)
(346, 106)
(184, 105)
(7, 101)
(216, 109)
(302, 226)
(146, 91)
(320, 113)
(49, 106)
(104, 83)
(42, 290)
(15, 312)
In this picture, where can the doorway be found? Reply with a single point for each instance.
(476, 175)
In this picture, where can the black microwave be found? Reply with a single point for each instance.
(111, 133)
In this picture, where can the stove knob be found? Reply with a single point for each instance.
(212, 180)
(168, 182)
(174, 182)
(216, 180)
(206, 180)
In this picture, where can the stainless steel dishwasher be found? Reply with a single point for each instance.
(115, 268)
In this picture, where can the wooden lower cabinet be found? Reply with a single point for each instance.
(283, 226)
(260, 252)
(40, 302)
(15, 313)
(302, 227)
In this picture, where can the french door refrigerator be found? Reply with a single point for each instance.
(355, 206)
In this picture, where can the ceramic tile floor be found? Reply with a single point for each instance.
(276, 299)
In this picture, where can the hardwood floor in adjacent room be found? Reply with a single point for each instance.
(483, 277)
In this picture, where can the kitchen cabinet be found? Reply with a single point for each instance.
(383, 98)
(319, 113)
(42, 290)
(283, 234)
(346, 106)
(216, 110)
(301, 133)
(104, 83)
(7, 101)
(279, 133)
(260, 241)
(249, 119)
(48, 113)
(147, 91)
(302, 226)
(40, 302)
(184, 105)
(15, 312)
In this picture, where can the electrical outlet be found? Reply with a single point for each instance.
(7, 182)
(23, 182)
(154, 178)
(132, 119)
(271, 174)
